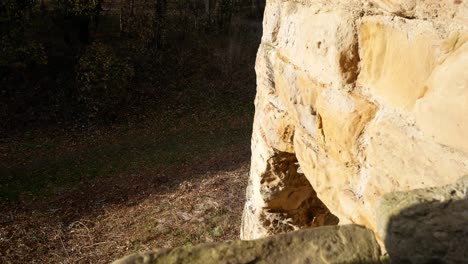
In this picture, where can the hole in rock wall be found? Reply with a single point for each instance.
(291, 202)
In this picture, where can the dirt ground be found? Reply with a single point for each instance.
(112, 216)
(92, 197)
(170, 177)
(167, 179)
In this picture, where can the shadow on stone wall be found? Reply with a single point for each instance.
(430, 232)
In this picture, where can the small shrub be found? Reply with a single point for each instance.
(103, 81)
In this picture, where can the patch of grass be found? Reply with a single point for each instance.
(131, 151)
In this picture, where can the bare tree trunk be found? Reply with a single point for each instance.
(160, 11)
(259, 8)
(97, 13)
(120, 20)
(207, 7)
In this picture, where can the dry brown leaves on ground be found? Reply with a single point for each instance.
(113, 216)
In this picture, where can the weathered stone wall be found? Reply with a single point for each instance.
(355, 99)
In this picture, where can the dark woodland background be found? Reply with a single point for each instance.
(87, 62)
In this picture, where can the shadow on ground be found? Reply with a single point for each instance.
(171, 178)
(195, 201)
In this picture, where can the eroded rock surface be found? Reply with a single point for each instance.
(355, 100)
(343, 244)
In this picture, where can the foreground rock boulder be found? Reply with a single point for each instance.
(355, 99)
(426, 225)
(338, 244)
(417, 227)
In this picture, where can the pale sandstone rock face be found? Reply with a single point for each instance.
(397, 58)
(355, 100)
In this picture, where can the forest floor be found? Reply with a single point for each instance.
(171, 177)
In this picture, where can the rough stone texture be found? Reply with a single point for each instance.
(344, 244)
(426, 225)
(365, 98)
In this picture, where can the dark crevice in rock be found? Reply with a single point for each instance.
(349, 63)
(291, 202)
